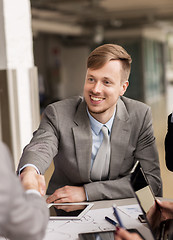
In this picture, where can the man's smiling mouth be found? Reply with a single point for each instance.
(96, 98)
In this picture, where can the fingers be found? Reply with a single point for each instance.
(118, 237)
(165, 204)
(27, 173)
(158, 203)
(42, 184)
(32, 180)
(122, 234)
(29, 180)
(58, 196)
(166, 208)
(67, 194)
(63, 200)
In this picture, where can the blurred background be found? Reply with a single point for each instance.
(44, 45)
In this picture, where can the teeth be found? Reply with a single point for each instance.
(96, 98)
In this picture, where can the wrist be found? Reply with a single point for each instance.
(29, 169)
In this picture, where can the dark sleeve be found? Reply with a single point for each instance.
(169, 145)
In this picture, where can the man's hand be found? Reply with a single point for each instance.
(31, 180)
(67, 194)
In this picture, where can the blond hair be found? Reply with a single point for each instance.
(107, 52)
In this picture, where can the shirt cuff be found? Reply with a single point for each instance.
(86, 194)
(29, 165)
(32, 191)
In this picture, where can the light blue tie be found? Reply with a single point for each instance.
(100, 169)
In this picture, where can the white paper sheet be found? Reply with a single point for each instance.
(93, 221)
(132, 211)
(68, 230)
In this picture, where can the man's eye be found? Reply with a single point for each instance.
(90, 79)
(106, 82)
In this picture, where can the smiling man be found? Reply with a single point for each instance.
(102, 89)
(95, 140)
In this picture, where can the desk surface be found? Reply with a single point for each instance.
(94, 221)
(109, 203)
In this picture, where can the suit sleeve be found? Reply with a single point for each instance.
(169, 144)
(146, 153)
(44, 145)
(22, 216)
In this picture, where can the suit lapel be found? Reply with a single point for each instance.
(120, 135)
(83, 141)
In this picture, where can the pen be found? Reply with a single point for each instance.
(117, 216)
(110, 221)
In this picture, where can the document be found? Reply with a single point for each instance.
(132, 211)
(93, 221)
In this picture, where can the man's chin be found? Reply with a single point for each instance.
(95, 111)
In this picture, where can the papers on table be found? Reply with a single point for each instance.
(132, 211)
(93, 221)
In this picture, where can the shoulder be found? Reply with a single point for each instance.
(65, 105)
(63, 110)
(134, 104)
(136, 109)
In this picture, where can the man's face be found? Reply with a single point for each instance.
(102, 89)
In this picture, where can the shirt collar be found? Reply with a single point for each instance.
(96, 126)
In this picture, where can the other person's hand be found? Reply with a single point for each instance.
(67, 194)
(122, 234)
(31, 180)
(154, 216)
(159, 212)
(166, 209)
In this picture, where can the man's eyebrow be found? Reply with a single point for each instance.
(90, 75)
(103, 78)
(107, 78)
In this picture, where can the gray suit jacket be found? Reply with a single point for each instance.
(22, 216)
(65, 135)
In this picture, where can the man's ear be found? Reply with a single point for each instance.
(124, 88)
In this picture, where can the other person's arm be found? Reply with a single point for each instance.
(23, 214)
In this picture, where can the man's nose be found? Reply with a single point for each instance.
(97, 87)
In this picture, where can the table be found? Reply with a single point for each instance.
(94, 221)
